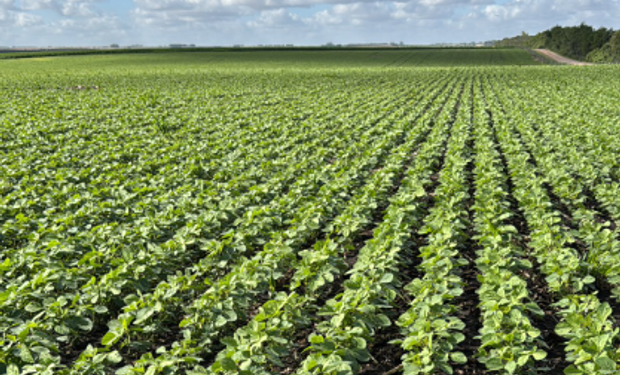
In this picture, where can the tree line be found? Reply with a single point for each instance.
(581, 42)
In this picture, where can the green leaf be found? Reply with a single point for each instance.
(220, 321)
(495, 364)
(360, 343)
(316, 339)
(79, 323)
(26, 355)
(511, 367)
(126, 370)
(6, 265)
(539, 355)
(572, 370)
(458, 357)
(228, 364)
(114, 357)
(184, 323)
(144, 314)
(12, 370)
(110, 338)
(361, 355)
(229, 341)
(589, 279)
(446, 368)
(534, 308)
(33, 307)
(606, 365)
(387, 278)
(384, 321)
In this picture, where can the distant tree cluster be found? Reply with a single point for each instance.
(581, 42)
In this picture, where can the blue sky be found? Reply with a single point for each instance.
(300, 22)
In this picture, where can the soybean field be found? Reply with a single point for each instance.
(430, 211)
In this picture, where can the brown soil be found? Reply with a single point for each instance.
(561, 59)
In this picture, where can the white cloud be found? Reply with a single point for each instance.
(76, 23)
(275, 19)
(11, 17)
(69, 8)
(7, 5)
(552, 10)
(25, 19)
(204, 22)
(501, 13)
(181, 13)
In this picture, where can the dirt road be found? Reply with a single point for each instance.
(561, 59)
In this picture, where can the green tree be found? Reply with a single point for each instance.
(614, 43)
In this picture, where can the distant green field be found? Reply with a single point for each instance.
(245, 60)
(309, 212)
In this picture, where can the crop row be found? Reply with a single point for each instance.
(416, 221)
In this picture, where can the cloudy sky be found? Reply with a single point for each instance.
(301, 22)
